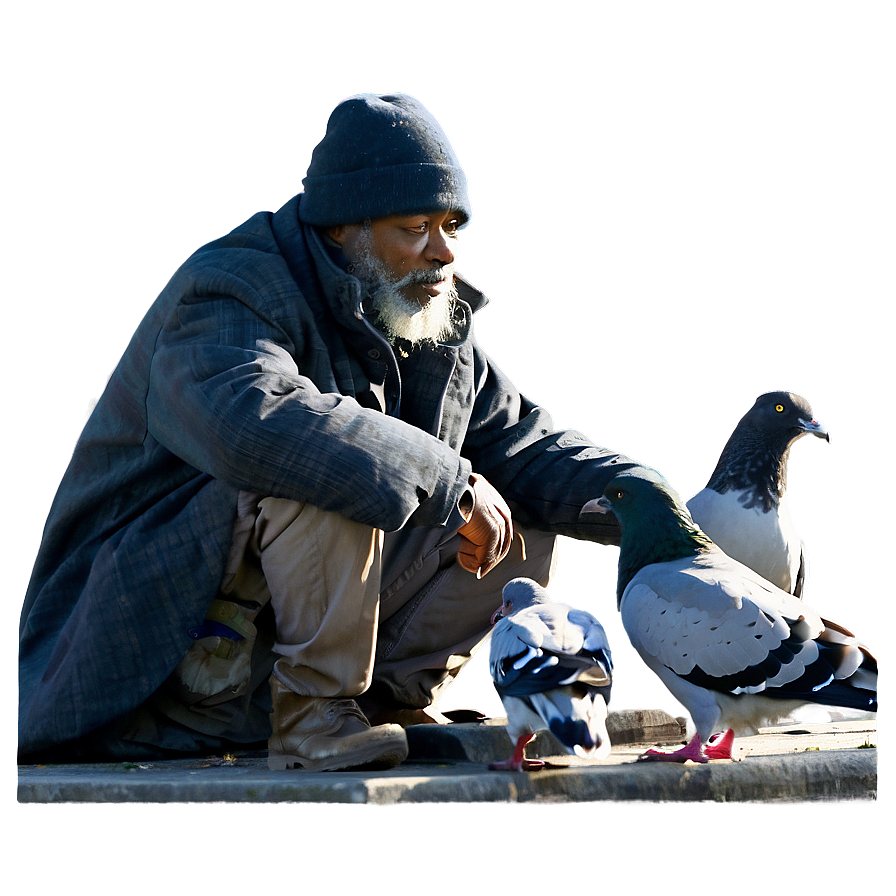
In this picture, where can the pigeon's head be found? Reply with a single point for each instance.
(655, 523)
(518, 594)
(633, 496)
(785, 415)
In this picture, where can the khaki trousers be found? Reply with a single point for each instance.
(357, 610)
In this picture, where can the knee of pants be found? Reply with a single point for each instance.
(276, 517)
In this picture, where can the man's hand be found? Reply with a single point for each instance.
(488, 531)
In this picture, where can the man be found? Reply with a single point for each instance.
(291, 514)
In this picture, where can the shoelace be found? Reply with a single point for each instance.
(346, 707)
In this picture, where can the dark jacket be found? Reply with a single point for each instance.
(252, 371)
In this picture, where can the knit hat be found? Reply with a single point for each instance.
(381, 155)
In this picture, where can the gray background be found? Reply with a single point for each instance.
(678, 206)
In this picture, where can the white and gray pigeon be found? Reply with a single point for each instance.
(552, 668)
(743, 508)
(734, 649)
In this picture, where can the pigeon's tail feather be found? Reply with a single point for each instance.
(577, 718)
(833, 669)
(854, 669)
(837, 634)
(574, 733)
(843, 695)
(844, 675)
(859, 687)
(866, 681)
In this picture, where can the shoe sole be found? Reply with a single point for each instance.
(373, 759)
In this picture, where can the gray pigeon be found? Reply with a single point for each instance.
(552, 668)
(734, 649)
(742, 509)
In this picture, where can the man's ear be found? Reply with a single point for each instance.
(336, 233)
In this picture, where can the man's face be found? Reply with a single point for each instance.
(422, 246)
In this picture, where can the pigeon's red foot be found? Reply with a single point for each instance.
(518, 762)
(719, 745)
(693, 751)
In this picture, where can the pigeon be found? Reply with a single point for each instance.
(742, 509)
(734, 649)
(552, 668)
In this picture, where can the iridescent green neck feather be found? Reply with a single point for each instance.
(656, 526)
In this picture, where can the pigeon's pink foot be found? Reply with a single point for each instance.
(693, 751)
(719, 745)
(518, 762)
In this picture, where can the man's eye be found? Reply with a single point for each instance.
(451, 228)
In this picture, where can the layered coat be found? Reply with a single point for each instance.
(253, 371)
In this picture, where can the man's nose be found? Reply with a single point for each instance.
(439, 247)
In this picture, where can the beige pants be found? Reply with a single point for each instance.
(354, 607)
(388, 618)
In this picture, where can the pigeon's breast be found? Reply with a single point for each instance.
(764, 541)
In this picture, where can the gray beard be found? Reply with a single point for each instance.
(399, 318)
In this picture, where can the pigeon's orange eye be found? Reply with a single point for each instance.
(618, 494)
(779, 408)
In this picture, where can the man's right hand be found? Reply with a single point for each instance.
(488, 532)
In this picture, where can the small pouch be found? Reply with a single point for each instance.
(218, 665)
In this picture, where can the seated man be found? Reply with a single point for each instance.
(292, 512)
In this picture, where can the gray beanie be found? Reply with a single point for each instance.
(381, 155)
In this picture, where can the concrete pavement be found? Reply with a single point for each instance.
(449, 763)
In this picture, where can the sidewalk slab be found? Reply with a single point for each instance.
(449, 763)
(488, 741)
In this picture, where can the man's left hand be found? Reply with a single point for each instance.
(488, 532)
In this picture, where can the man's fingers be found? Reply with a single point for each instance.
(470, 557)
(508, 538)
(488, 530)
(479, 558)
(504, 527)
(503, 520)
(498, 544)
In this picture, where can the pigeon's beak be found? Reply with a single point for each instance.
(498, 614)
(596, 505)
(815, 428)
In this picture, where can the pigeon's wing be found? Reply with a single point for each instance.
(534, 651)
(595, 653)
(802, 572)
(593, 635)
(715, 623)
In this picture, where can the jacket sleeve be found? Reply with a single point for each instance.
(225, 395)
(546, 475)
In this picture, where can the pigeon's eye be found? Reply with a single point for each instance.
(618, 495)
(779, 408)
